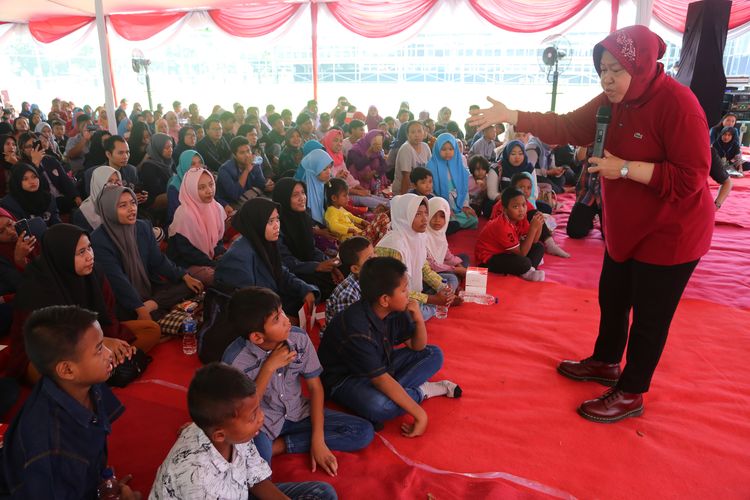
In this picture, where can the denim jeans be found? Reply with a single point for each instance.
(307, 490)
(342, 432)
(451, 279)
(410, 369)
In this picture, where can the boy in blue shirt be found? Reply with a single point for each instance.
(362, 368)
(56, 446)
(275, 355)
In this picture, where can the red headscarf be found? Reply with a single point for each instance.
(338, 158)
(637, 49)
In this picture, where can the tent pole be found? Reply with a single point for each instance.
(109, 95)
(615, 11)
(314, 20)
(643, 12)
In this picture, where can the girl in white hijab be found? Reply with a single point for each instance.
(451, 267)
(406, 241)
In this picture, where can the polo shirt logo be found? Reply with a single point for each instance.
(638, 135)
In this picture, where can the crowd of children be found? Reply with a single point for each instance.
(279, 216)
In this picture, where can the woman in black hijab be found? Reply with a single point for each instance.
(187, 138)
(96, 156)
(297, 244)
(254, 259)
(64, 274)
(138, 142)
(28, 197)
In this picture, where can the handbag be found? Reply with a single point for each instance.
(171, 324)
(130, 369)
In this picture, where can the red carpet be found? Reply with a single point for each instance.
(515, 433)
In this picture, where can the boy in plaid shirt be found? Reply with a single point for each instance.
(353, 253)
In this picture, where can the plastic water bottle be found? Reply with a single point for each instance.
(441, 312)
(189, 338)
(109, 488)
(478, 298)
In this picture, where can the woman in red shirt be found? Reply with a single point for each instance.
(658, 211)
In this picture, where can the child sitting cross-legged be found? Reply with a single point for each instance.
(338, 219)
(275, 355)
(214, 457)
(509, 243)
(353, 253)
(362, 369)
(526, 183)
(56, 446)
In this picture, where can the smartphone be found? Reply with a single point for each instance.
(37, 144)
(92, 128)
(22, 226)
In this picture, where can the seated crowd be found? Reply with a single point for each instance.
(102, 236)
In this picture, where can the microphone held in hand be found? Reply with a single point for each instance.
(603, 116)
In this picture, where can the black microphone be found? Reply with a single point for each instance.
(603, 116)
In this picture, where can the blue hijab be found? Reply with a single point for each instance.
(312, 165)
(122, 127)
(307, 148)
(186, 160)
(458, 173)
(534, 188)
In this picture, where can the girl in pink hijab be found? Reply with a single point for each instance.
(195, 235)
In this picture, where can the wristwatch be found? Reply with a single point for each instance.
(624, 170)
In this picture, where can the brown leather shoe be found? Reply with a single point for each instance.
(590, 369)
(612, 406)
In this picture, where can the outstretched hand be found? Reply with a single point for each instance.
(497, 113)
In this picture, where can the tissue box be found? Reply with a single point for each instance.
(476, 280)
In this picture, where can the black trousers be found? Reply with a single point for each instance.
(652, 293)
(581, 220)
(510, 263)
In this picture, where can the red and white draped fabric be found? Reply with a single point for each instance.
(527, 16)
(365, 17)
(54, 28)
(379, 19)
(137, 27)
(673, 13)
(254, 20)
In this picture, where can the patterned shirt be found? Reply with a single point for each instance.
(194, 469)
(345, 294)
(283, 397)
